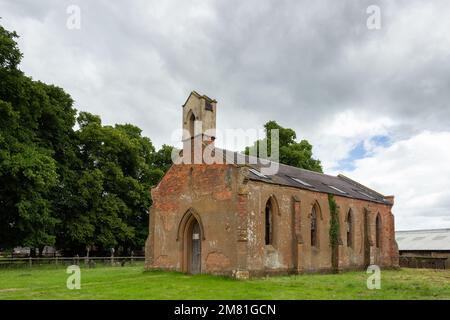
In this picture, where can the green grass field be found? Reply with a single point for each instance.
(133, 283)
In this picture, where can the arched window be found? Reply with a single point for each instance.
(349, 229)
(378, 231)
(314, 226)
(268, 222)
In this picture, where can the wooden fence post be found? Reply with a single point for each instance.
(88, 248)
(112, 256)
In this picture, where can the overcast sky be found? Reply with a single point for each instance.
(374, 103)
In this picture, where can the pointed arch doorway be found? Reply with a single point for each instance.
(191, 233)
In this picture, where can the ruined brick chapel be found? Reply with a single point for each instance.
(231, 219)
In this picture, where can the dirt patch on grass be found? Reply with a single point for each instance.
(10, 290)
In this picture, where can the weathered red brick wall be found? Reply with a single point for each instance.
(231, 209)
(292, 250)
(351, 257)
(211, 191)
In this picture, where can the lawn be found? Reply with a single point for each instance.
(131, 282)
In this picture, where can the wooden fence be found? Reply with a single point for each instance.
(90, 262)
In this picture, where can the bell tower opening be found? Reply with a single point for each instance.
(192, 125)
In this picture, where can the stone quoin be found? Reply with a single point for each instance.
(229, 219)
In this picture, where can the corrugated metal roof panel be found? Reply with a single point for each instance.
(423, 240)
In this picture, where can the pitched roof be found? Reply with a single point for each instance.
(423, 240)
(198, 95)
(306, 179)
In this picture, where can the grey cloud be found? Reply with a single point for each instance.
(283, 60)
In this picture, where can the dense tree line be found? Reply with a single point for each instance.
(65, 187)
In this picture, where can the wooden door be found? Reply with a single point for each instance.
(196, 249)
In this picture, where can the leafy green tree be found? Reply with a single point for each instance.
(291, 152)
(28, 171)
(10, 55)
(163, 158)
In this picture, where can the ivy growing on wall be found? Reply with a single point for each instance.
(334, 231)
(334, 221)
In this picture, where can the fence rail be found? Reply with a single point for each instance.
(65, 261)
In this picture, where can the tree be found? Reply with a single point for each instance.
(163, 158)
(10, 55)
(28, 171)
(297, 154)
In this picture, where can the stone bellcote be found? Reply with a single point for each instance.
(199, 117)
